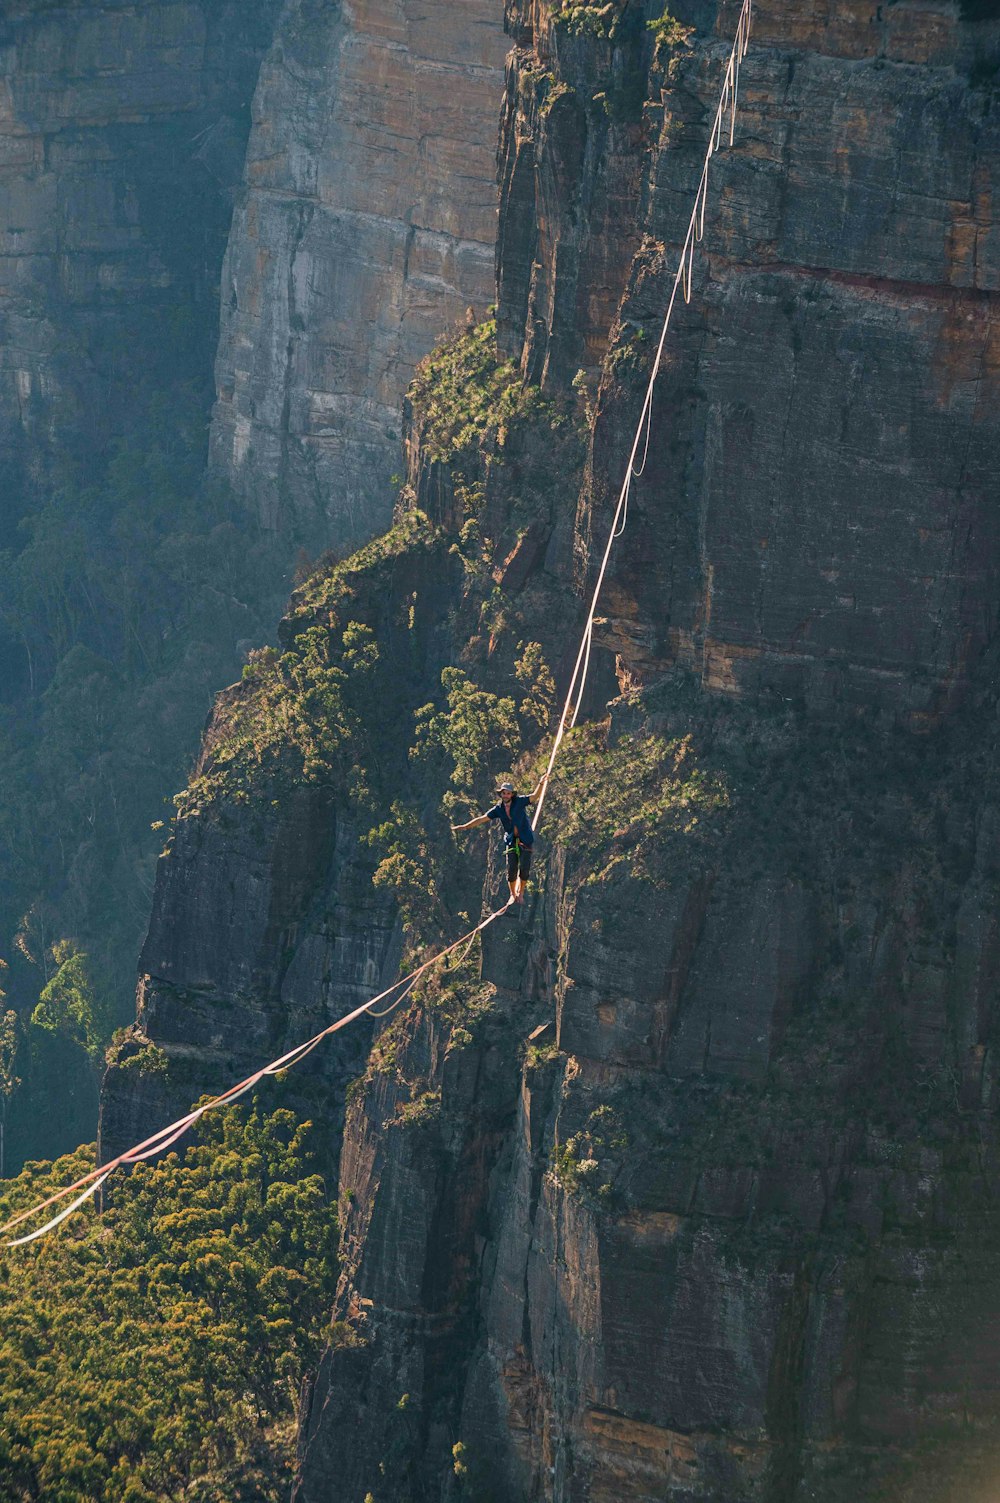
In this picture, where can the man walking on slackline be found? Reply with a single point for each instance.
(518, 836)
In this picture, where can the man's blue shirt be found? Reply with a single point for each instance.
(516, 822)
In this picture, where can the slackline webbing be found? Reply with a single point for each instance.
(88, 1184)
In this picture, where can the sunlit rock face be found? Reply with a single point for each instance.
(366, 229)
(816, 514)
(122, 135)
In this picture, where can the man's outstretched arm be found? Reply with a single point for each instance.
(533, 796)
(481, 819)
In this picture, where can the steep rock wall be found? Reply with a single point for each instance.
(122, 130)
(366, 228)
(725, 1229)
(729, 1232)
(816, 518)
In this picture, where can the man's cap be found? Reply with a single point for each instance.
(506, 788)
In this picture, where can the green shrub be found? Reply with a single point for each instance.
(68, 1003)
(421, 1111)
(406, 866)
(620, 801)
(464, 392)
(299, 712)
(587, 20)
(588, 1161)
(668, 31)
(478, 733)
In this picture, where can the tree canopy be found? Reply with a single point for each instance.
(156, 1351)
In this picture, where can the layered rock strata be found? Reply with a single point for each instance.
(365, 229)
(684, 1185)
(729, 1230)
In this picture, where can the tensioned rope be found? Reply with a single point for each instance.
(88, 1184)
(682, 282)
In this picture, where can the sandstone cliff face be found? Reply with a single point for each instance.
(729, 1232)
(817, 516)
(725, 1227)
(366, 228)
(122, 130)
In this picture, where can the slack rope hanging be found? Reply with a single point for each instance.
(89, 1184)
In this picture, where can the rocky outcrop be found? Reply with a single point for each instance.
(265, 925)
(366, 228)
(684, 1184)
(728, 1232)
(122, 131)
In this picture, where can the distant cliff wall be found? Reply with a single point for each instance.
(122, 132)
(366, 228)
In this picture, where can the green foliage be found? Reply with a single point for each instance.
(157, 1352)
(588, 20)
(620, 801)
(668, 31)
(471, 551)
(383, 1058)
(481, 733)
(421, 1111)
(406, 865)
(629, 360)
(588, 1161)
(9, 1082)
(68, 1003)
(478, 732)
(464, 393)
(299, 712)
(555, 90)
(534, 674)
(455, 993)
(536, 1056)
(130, 1049)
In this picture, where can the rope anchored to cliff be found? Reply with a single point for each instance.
(88, 1185)
(682, 283)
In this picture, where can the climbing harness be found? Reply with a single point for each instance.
(89, 1184)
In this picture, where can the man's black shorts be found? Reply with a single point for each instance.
(518, 862)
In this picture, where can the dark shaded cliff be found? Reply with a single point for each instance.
(725, 1228)
(125, 586)
(123, 131)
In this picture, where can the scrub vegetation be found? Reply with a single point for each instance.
(157, 1352)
